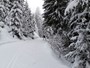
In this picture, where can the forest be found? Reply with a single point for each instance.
(68, 22)
(64, 24)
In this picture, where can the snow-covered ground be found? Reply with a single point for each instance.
(28, 54)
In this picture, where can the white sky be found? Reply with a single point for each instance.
(33, 4)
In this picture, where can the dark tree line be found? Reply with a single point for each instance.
(70, 23)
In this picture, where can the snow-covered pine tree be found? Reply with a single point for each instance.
(5, 5)
(54, 13)
(15, 18)
(39, 21)
(16, 14)
(28, 27)
(47, 32)
(54, 20)
(2, 11)
(78, 14)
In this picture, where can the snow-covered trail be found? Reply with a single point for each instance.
(28, 54)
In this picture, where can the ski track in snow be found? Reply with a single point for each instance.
(10, 65)
(3, 43)
(28, 54)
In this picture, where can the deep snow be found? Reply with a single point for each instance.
(28, 54)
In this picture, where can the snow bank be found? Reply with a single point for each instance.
(5, 36)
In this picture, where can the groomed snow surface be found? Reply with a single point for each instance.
(28, 54)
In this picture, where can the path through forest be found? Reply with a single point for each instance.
(28, 54)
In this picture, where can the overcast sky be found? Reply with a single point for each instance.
(33, 4)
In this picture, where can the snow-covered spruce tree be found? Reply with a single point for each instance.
(15, 14)
(28, 26)
(39, 21)
(3, 12)
(78, 14)
(5, 6)
(54, 19)
(15, 19)
(47, 32)
(54, 13)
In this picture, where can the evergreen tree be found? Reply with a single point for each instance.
(55, 23)
(2, 11)
(39, 21)
(54, 13)
(15, 22)
(79, 30)
(17, 16)
(28, 27)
